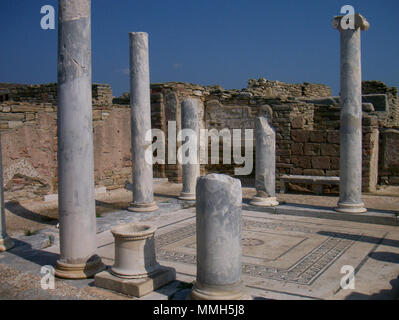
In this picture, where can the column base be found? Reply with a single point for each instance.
(135, 287)
(6, 244)
(79, 271)
(143, 207)
(264, 202)
(187, 196)
(350, 208)
(210, 292)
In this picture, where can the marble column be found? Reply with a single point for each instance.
(351, 116)
(265, 179)
(191, 171)
(140, 105)
(77, 211)
(219, 232)
(5, 242)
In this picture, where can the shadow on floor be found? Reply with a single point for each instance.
(392, 294)
(25, 251)
(363, 238)
(20, 211)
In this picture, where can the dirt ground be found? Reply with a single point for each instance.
(27, 217)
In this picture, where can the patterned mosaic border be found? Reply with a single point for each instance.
(304, 272)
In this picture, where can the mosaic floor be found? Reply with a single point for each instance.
(283, 257)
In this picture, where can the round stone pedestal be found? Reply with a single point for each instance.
(187, 196)
(351, 208)
(6, 244)
(79, 271)
(218, 292)
(134, 251)
(264, 202)
(145, 207)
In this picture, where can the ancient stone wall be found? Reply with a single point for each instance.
(389, 157)
(305, 116)
(381, 94)
(28, 122)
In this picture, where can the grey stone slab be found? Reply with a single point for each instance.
(370, 217)
(135, 287)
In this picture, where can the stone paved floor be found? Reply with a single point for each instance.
(284, 257)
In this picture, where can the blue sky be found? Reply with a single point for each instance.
(207, 42)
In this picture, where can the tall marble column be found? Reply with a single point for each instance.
(140, 105)
(191, 170)
(265, 179)
(5, 242)
(351, 115)
(77, 212)
(219, 232)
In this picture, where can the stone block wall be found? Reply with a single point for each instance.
(389, 157)
(305, 116)
(307, 130)
(28, 123)
(270, 88)
(391, 118)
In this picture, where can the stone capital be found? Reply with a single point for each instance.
(360, 22)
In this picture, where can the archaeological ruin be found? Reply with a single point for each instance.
(306, 118)
(228, 233)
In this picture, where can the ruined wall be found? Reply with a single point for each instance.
(306, 119)
(381, 94)
(28, 122)
(268, 88)
(307, 130)
(389, 157)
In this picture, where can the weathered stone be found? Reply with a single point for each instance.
(298, 123)
(297, 149)
(75, 141)
(191, 170)
(311, 149)
(5, 242)
(328, 149)
(351, 117)
(300, 135)
(143, 188)
(219, 231)
(265, 180)
(321, 163)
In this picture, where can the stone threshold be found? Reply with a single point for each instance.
(372, 216)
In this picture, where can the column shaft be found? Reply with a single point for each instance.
(191, 171)
(5, 242)
(219, 232)
(77, 213)
(351, 123)
(140, 105)
(265, 179)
